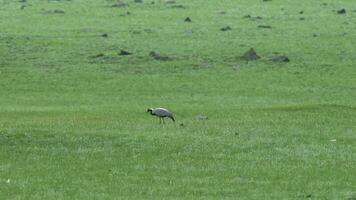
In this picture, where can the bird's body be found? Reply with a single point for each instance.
(161, 113)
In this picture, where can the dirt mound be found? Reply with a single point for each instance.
(188, 19)
(280, 58)
(251, 55)
(342, 11)
(124, 53)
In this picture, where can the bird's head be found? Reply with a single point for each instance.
(149, 110)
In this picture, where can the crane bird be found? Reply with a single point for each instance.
(161, 113)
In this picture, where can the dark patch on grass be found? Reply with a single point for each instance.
(119, 4)
(264, 26)
(147, 30)
(251, 55)
(187, 19)
(342, 11)
(170, 2)
(135, 32)
(56, 11)
(157, 56)
(178, 6)
(104, 35)
(125, 14)
(252, 18)
(226, 28)
(280, 58)
(352, 198)
(124, 53)
(98, 55)
(257, 17)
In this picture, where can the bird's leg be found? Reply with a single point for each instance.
(160, 120)
(163, 120)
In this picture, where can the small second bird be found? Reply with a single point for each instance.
(161, 113)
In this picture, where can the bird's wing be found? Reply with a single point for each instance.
(162, 112)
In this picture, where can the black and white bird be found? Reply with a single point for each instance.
(161, 113)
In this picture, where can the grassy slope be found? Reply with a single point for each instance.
(74, 127)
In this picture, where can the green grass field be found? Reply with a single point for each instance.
(72, 111)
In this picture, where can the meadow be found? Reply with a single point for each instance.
(73, 121)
